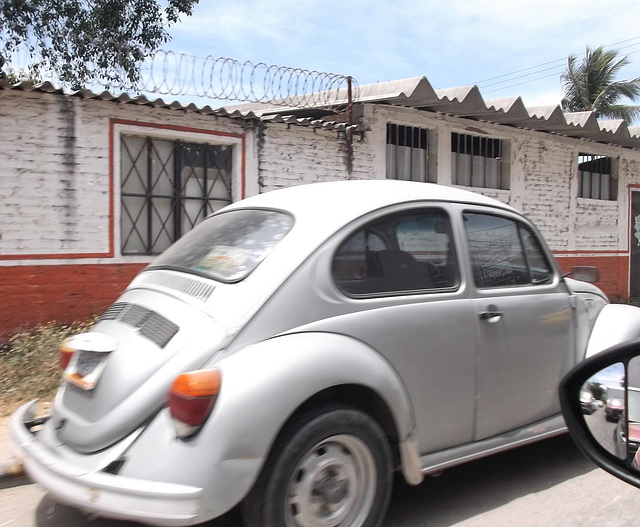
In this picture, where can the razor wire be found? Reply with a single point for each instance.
(178, 75)
(218, 80)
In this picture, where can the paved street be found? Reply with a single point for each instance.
(546, 484)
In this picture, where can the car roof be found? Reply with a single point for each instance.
(344, 201)
(320, 210)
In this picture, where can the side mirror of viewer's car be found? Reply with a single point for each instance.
(600, 400)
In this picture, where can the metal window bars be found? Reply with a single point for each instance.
(167, 187)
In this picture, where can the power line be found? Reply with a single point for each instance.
(535, 70)
(520, 83)
(562, 60)
(519, 71)
(513, 76)
(522, 76)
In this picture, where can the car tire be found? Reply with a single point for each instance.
(330, 467)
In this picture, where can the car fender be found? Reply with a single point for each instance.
(285, 371)
(616, 323)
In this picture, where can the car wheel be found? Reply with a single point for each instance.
(330, 468)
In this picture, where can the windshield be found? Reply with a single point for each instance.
(227, 246)
(586, 396)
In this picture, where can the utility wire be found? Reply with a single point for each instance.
(558, 65)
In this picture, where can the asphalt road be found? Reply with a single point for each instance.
(603, 431)
(546, 484)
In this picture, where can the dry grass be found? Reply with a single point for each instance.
(29, 364)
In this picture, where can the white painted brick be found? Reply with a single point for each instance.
(48, 209)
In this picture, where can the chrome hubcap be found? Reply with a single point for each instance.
(333, 484)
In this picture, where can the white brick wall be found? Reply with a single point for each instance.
(543, 177)
(544, 172)
(54, 170)
(55, 197)
(46, 181)
(299, 155)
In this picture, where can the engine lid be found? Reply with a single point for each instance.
(144, 342)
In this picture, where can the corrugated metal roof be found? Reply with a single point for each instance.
(415, 92)
(124, 98)
(467, 101)
(310, 121)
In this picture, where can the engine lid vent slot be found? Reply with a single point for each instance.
(150, 324)
(192, 287)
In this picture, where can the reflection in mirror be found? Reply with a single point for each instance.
(633, 412)
(602, 399)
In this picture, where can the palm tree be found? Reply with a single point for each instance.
(591, 86)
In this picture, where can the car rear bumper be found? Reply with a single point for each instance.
(100, 493)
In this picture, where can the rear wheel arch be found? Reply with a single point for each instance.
(348, 437)
(334, 369)
(358, 397)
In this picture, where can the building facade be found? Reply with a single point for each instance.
(92, 186)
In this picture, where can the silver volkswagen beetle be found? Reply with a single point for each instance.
(298, 347)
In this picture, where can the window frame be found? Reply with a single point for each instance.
(480, 148)
(607, 166)
(374, 226)
(521, 226)
(121, 128)
(417, 158)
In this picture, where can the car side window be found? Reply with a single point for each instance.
(504, 252)
(539, 267)
(401, 253)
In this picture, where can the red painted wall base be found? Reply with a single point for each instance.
(614, 272)
(36, 294)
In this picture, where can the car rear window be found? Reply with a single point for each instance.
(227, 246)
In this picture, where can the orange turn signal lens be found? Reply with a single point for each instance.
(200, 383)
(192, 397)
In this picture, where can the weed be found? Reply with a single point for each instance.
(29, 363)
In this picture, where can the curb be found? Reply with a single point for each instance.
(12, 475)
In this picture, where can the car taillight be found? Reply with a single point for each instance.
(191, 399)
(65, 352)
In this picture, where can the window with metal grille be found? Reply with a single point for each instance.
(477, 161)
(596, 178)
(167, 187)
(407, 153)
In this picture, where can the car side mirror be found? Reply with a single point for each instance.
(585, 273)
(600, 400)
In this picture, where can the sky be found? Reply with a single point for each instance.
(505, 47)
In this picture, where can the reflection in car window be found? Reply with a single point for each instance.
(633, 404)
(504, 252)
(411, 251)
(538, 264)
(227, 246)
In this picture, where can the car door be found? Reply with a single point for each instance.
(524, 323)
(400, 272)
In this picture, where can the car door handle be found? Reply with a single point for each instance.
(491, 316)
